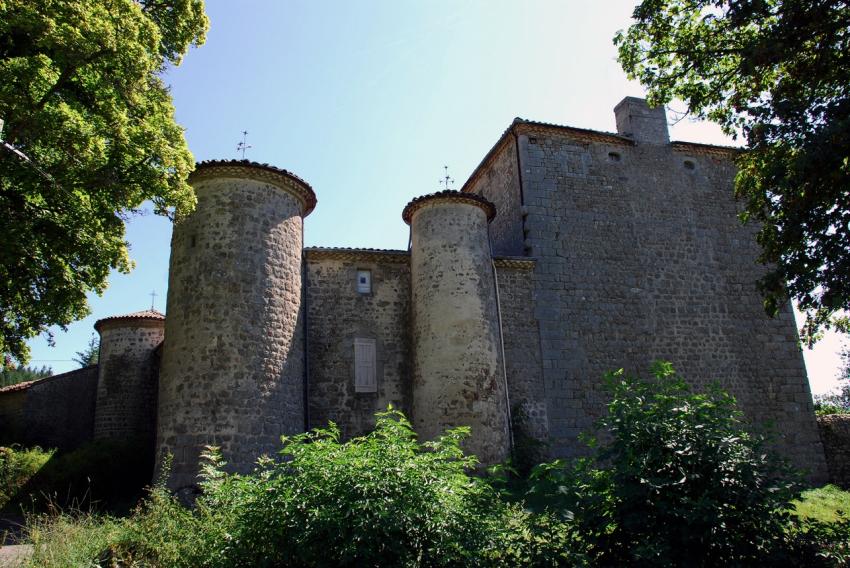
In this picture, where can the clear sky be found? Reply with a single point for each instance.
(368, 100)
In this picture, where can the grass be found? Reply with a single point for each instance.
(65, 540)
(824, 504)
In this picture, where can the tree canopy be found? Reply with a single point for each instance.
(89, 135)
(776, 72)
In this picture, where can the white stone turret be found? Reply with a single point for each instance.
(458, 376)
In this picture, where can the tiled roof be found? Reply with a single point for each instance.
(362, 254)
(19, 386)
(303, 189)
(450, 195)
(142, 315)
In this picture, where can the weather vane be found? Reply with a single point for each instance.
(447, 180)
(243, 146)
(153, 296)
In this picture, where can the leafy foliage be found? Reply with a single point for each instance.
(90, 355)
(103, 475)
(17, 467)
(380, 500)
(675, 479)
(14, 374)
(777, 72)
(81, 97)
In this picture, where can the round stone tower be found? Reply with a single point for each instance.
(233, 365)
(457, 377)
(127, 377)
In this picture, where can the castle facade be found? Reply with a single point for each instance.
(567, 253)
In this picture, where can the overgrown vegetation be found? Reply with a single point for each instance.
(103, 476)
(827, 504)
(17, 467)
(677, 479)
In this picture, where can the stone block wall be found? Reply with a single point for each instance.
(337, 314)
(523, 362)
(641, 256)
(128, 380)
(12, 425)
(56, 412)
(835, 435)
(232, 371)
(500, 183)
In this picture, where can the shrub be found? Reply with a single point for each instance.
(675, 479)
(379, 500)
(106, 475)
(17, 467)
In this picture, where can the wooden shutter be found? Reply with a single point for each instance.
(365, 379)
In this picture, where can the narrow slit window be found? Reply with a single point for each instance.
(364, 281)
(365, 379)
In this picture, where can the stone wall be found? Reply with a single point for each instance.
(835, 435)
(56, 412)
(12, 425)
(458, 378)
(232, 371)
(128, 379)
(499, 182)
(60, 409)
(524, 366)
(337, 314)
(641, 256)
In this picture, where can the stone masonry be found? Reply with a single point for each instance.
(567, 253)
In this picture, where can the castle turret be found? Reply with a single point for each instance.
(458, 377)
(127, 377)
(233, 365)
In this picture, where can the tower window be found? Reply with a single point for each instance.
(689, 165)
(364, 281)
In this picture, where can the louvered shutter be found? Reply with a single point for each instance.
(365, 379)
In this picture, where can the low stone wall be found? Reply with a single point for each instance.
(835, 435)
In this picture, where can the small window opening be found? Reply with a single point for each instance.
(193, 240)
(532, 140)
(614, 156)
(364, 281)
(689, 165)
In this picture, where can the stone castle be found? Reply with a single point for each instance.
(567, 253)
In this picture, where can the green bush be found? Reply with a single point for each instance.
(104, 475)
(380, 500)
(17, 467)
(675, 478)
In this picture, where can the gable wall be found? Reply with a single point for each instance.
(643, 259)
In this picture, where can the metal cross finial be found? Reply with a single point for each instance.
(153, 296)
(243, 146)
(447, 180)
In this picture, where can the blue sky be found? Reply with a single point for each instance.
(367, 101)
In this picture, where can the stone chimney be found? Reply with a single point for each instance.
(637, 120)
